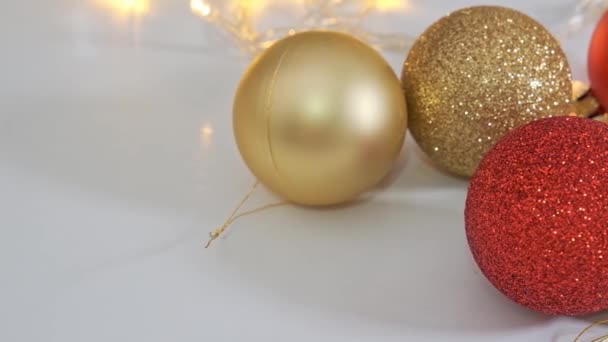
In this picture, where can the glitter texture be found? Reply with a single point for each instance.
(536, 216)
(477, 74)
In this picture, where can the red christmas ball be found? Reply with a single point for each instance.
(598, 61)
(537, 215)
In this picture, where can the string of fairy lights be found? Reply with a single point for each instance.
(239, 19)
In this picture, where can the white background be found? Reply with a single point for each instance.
(108, 191)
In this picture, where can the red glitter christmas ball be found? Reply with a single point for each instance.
(537, 215)
(598, 61)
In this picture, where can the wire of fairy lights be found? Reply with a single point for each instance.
(238, 21)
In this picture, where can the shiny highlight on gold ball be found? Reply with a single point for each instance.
(475, 75)
(319, 118)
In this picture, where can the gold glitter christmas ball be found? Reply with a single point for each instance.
(319, 118)
(475, 75)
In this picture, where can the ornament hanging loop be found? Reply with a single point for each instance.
(218, 232)
(235, 213)
(603, 338)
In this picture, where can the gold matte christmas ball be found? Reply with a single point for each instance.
(475, 75)
(319, 118)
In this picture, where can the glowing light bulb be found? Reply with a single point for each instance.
(387, 5)
(206, 135)
(207, 130)
(200, 7)
(124, 7)
(251, 5)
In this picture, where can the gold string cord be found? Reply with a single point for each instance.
(235, 215)
(599, 339)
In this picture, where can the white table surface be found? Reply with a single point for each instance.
(108, 191)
